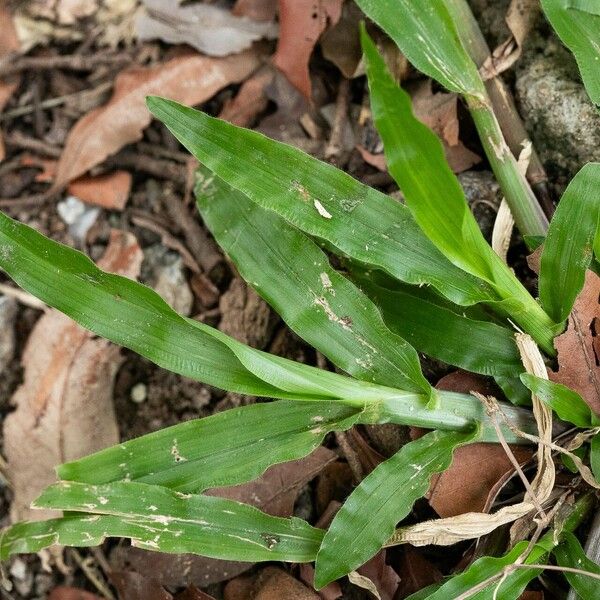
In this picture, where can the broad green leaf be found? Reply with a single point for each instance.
(568, 248)
(159, 519)
(569, 553)
(132, 315)
(293, 274)
(578, 28)
(427, 36)
(436, 330)
(320, 200)
(416, 160)
(369, 516)
(566, 403)
(227, 448)
(589, 6)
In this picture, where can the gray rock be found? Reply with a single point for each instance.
(163, 270)
(559, 116)
(8, 312)
(484, 197)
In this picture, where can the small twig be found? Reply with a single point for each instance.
(35, 199)
(54, 102)
(161, 169)
(202, 247)
(492, 409)
(19, 140)
(167, 239)
(74, 62)
(92, 575)
(336, 140)
(350, 455)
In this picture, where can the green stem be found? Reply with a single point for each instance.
(453, 411)
(528, 214)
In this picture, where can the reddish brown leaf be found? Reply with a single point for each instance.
(258, 10)
(331, 591)
(476, 470)
(133, 586)
(63, 592)
(275, 584)
(250, 101)
(416, 572)
(109, 191)
(578, 347)
(47, 167)
(274, 492)
(301, 24)
(9, 42)
(190, 79)
(384, 578)
(439, 112)
(64, 407)
(375, 160)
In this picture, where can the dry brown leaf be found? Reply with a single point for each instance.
(520, 18)
(332, 591)
(190, 79)
(301, 24)
(578, 347)
(212, 30)
(109, 191)
(47, 166)
(375, 160)
(274, 493)
(340, 44)
(439, 112)
(64, 407)
(63, 592)
(258, 10)
(415, 572)
(384, 579)
(477, 469)
(9, 42)
(275, 584)
(250, 100)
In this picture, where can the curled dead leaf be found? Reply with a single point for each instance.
(301, 24)
(64, 407)
(212, 30)
(190, 79)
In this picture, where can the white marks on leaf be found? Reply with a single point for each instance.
(175, 453)
(102, 500)
(326, 282)
(321, 209)
(345, 322)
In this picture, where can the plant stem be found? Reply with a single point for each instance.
(528, 214)
(453, 411)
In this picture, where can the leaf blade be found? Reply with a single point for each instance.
(427, 36)
(569, 553)
(568, 248)
(368, 517)
(318, 303)
(578, 30)
(159, 519)
(365, 224)
(567, 404)
(201, 454)
(416, 160)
